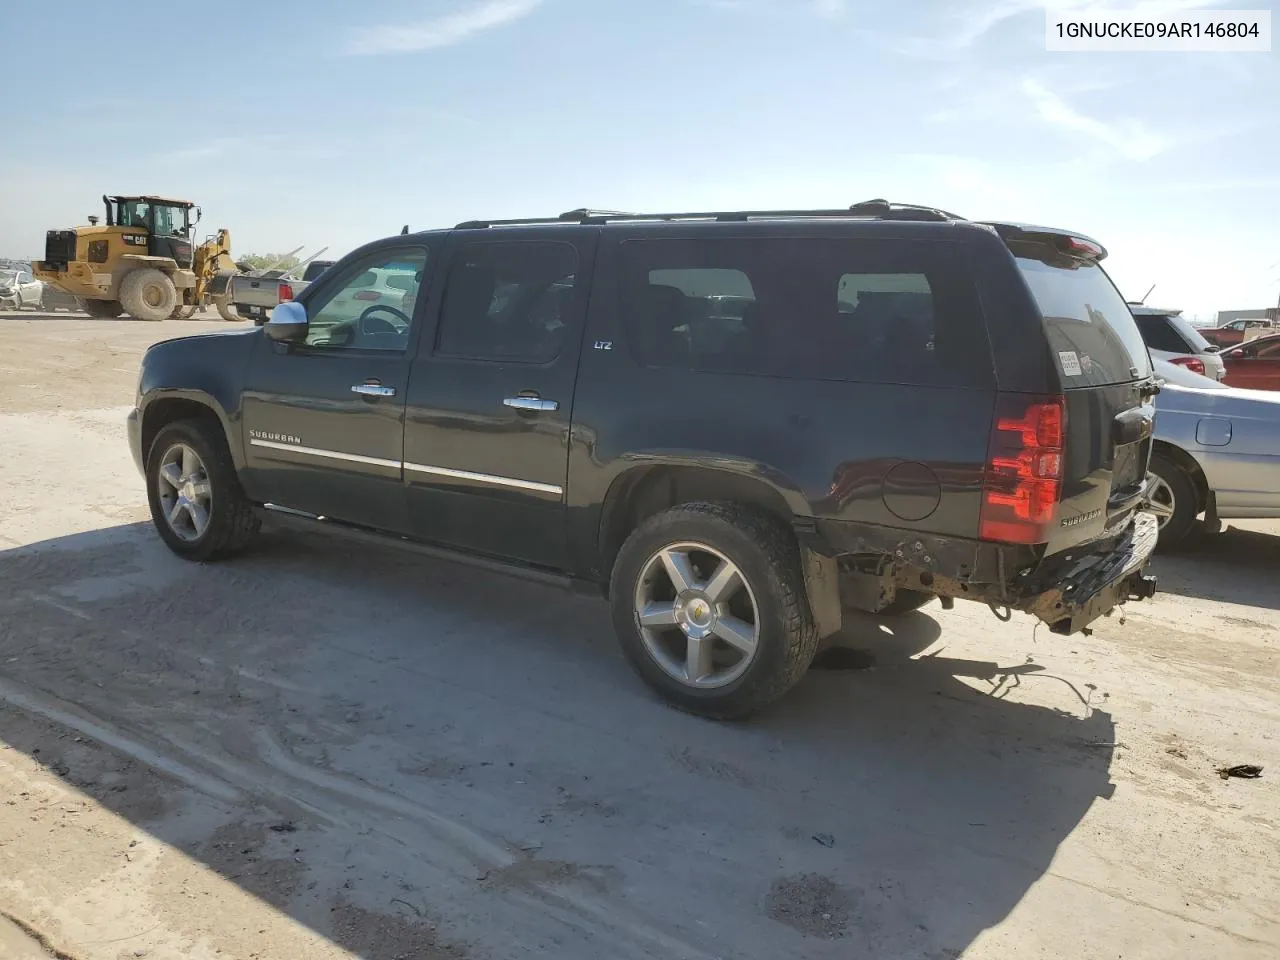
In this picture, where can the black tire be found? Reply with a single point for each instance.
(233, 518)
(148, 294)
(101, 309)
(1177, 530)
(766, 552)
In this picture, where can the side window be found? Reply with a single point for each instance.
(1159, 334)
(508, 301)
(884, 311)
(371, 305)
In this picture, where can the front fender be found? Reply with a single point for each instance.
(208, 370)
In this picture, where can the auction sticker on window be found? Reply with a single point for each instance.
(1070, 363)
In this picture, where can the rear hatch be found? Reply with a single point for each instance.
(1105, 382)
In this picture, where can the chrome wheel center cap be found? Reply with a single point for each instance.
(695, 614)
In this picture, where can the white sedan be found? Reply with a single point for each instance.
(1216, 453)
(18, 289)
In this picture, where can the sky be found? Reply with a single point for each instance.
(325, 123)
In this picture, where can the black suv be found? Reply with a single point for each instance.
(733, 425)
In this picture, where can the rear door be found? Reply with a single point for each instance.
(1104, 370)
(491, 396)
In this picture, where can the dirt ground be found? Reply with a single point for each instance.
(324, 751)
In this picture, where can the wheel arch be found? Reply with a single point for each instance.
(1188, 465)
(170, 406)
(648, 489)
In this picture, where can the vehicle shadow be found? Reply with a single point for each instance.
(366, 729)
(1235, 566)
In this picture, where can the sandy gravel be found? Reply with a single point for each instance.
(325, 751)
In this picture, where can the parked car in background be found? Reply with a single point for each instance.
(254, 297)
(733, 425)
(19, 289)
(1170, 336)
(1237, 331)
(1254, 364)
(1216, 454)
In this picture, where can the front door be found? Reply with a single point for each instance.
(324, 419)
(491, 396)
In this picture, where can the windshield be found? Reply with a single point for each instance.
(170, 221)
(8, 276)
(1094, 338)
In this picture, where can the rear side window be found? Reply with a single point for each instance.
(508, 302)
(1091, 331)
(1160, 334)
(882, 311)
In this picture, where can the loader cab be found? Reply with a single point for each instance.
(154, 226)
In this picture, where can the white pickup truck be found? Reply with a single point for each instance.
(255, 296)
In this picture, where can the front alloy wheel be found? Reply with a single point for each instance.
(697, 615)
(184, 492)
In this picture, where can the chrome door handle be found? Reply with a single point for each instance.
(373, 390)
(530, 403)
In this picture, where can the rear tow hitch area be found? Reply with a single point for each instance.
(1098, 584)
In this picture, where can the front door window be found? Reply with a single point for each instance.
(372, 307)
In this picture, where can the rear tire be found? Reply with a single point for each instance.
(764, 606)
(1174, 501)
(230, 519)
(101, 309)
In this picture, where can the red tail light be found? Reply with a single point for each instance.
(286, 292)
(1023, 480)
(1194, 364)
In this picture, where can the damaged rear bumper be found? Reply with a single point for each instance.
(1096, 584)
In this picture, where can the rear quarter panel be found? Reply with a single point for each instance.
(895, 456)
(1244, 472)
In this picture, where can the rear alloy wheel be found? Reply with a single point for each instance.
(710, 608)
(1172, 498)
(148, 294)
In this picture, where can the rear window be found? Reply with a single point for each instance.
(889, 312)
(1160, 333)
(1092, 333)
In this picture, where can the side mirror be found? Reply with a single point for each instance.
(288, 323)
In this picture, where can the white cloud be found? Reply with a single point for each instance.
(826, 9)
(1129, 138)
(442, 31)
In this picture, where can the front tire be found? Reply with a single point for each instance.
(148, 294)
(710, 608)
(1173, 500)
(197, 504)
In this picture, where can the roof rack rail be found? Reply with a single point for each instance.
(901, 211)
(878, 209)
(586, 213)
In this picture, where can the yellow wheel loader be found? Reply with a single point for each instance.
(142, 261)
